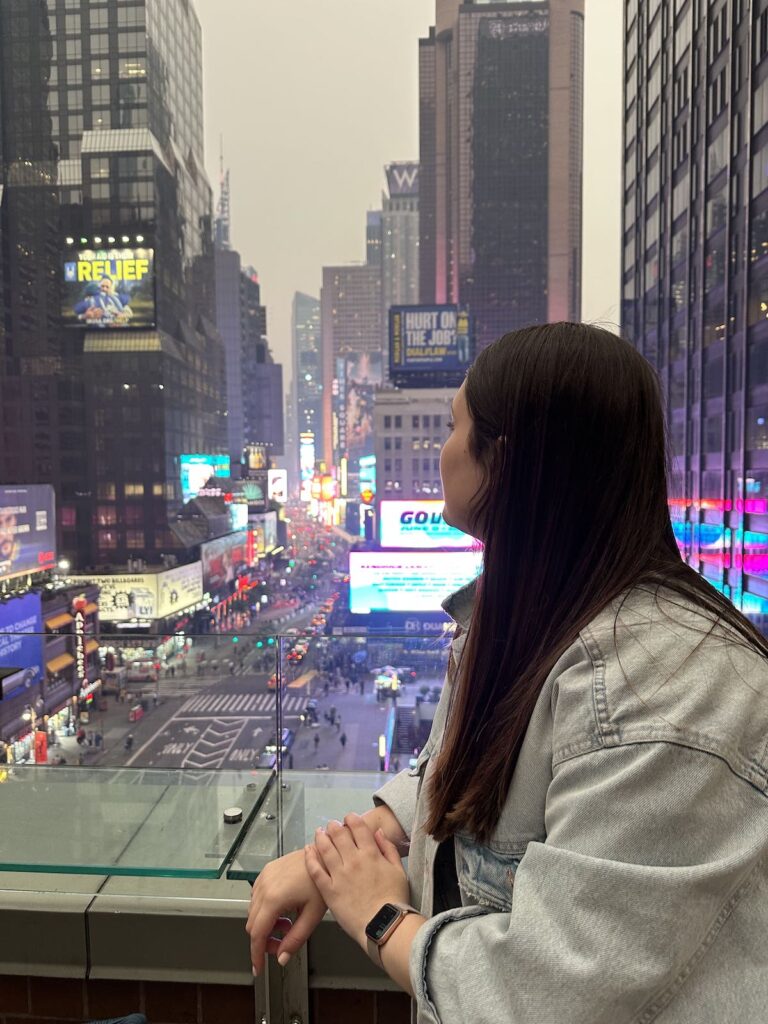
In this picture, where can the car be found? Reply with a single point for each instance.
(288, 736)
(266, 760)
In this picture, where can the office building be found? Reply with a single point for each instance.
(262, 377)
(400, 238)
(353, 359)
(307, 390)
(103, 105)
(410, 430)
(501, 97)
(695, 268)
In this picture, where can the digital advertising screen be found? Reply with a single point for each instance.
(224, 559)
(110, 288)
(418, 524)
(407, 581)
(277, 485)
(197, 470)
(429, 339)
(27, 530)
(21, 642)
(306, 463)
(264, 533)
(363, 372)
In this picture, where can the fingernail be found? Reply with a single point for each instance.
(255, 972)
(283, 959)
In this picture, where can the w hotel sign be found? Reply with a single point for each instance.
(403, 179)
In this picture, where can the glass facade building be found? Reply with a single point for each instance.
(307, 372)
(695, 268)
(501, 161)
(105, 99)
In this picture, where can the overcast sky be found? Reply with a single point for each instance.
(314, 97)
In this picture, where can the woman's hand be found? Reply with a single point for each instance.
(282, 887)
(355, 871)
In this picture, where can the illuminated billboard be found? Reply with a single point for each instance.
(403, 179)
(109, 288)
(363, 373)
(224, 559)
(264, 533)
(148, 595)
(306, 463)
(197, 470)
(21, 643)
(277, 486)
(429, 340)
(407, 581)
(418, 524)
(27, 530)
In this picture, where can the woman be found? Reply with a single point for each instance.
(587, 826)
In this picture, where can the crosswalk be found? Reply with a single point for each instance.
(239, 704)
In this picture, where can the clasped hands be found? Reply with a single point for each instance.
(350, 869)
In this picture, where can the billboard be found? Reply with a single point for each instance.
(429, 339)
(109, 288)
(277, 487)
(27, 530)
(224, 559)
(306, 463)
(178, 589)
(363, 372)
(418, 524)
(403, 179)
(264, 533)
(150, 595)
(21, 643)
(407, 581)
(197, 470)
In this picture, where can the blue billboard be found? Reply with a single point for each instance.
(27, 530)
(197, 470)
(21, 641)
(429, 339)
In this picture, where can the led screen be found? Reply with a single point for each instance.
(418, 524)
(407, 581)
(429, 338)
(197, 470)
(109, 288)
(27, 530)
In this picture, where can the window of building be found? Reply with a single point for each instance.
(100, 95)
(72, 24)
(68, 516)
(106, 515)
(387, 444)
(760, 106)
(99, 42)
(398, 422)
(398, 444)
(134, 539)
(134, 490)
(106, 539)
(106, 492)
(415, 422)
(130, 17)
(757, 428)
(133, 514)
(387, 422)
(100, 190)
(99, 17)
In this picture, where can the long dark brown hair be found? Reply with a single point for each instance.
(568, 428)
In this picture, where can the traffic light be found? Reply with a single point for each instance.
(235, 639)
(259, 643)
(270, 640)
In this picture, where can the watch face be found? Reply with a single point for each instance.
(377, 927)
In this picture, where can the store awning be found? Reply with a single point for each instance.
(90, 608)
(59, 620)
(57, 664)
(91, 646)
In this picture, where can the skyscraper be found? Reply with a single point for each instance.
(400, 238)
(501, 98)
(307, 372)
(262, 377)
(695, 268)
(107, 101)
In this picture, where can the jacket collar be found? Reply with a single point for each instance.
(459, 605)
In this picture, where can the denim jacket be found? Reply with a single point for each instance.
(626, 880)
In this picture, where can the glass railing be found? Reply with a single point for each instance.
(125, 754)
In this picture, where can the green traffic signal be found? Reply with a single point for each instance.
(259, 643)
(235, 639)
(271, 641)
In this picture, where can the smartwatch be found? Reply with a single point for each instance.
(382, 925)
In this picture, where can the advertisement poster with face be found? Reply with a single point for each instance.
(224, 559)
(27, 530)
(109, 288)
(364, 372)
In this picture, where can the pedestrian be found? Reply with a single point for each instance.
(173, 671)
(316, 741)
(347, 684)
(338, 723)
(594, 685)
(154, 698)
(129, 741)
(343, 740)
(326, 688)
